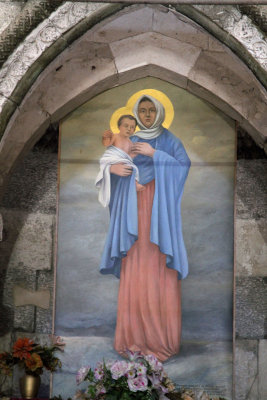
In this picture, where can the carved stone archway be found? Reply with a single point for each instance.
(164, 44)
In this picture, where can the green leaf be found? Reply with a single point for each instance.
(111, 397)
(126, 396)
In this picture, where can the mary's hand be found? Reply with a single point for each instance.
(121, 169)
(143, 148)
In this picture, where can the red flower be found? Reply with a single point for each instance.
(34, 362)
(22, 348)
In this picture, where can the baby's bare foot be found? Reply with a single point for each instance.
(139, 187)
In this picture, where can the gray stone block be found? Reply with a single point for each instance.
(43, 321)
(27, 240)
(262, 369)
(5, 386)
(5, 382)
(6, 310)
(38, 298)
(251, 247)
(30, 15)
(33, 185)
(24, 315)
(5, 342)
(254, 391)
(251, 308)
(10, 316)
(24, 318)
(251, 189)
(1, 227)
(19, 276)
(8, 12)
(257, 14)
(246, 368)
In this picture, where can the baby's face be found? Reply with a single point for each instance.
(127, 127)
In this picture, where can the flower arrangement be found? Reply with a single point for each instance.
(31, 356)
(142, 378)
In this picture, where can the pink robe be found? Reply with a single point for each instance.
(149, 299)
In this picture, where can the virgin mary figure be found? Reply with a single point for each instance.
(144, 245)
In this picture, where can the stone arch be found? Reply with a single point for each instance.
(193, 60)
(234, 26)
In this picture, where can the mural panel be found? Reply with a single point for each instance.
(87, 304)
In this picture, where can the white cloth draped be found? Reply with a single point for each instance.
(113, 155)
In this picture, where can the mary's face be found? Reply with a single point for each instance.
(147, 113)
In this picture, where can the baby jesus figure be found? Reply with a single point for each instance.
(119, 151)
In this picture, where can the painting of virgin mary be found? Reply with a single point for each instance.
(144, 245)
(139, 243)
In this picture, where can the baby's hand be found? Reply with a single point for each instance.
(107, 138)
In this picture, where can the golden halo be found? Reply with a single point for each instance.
(128, 109)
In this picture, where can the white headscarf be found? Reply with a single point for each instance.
(156, 129)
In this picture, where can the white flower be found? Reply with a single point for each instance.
(131, 371)
(155, 380)
(118, 369)
(109, 364)
(154, 363)
(134, 355)
(140, 369)
(137, 384)
(98, 374)
(81, 374)
(100, 390)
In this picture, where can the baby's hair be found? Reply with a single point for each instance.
(129, 116)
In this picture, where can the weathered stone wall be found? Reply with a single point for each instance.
(27, 251)
(18, 18)
(251, 274)
(9, 11)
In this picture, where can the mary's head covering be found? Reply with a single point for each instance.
(156, 129)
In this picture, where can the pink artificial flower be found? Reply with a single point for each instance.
(154, 363)
(155, 380)
(99, 371)
(109, 364)
(131, 371)
(81, 374)
(137, 384)
(100, 390)
(134, 355)
(57, 341)
(118, 369)
(164, 389)
(140, 369)
(142, 383)
(98, 374)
